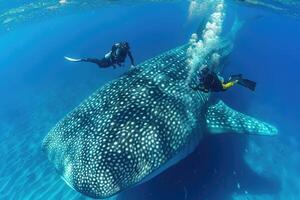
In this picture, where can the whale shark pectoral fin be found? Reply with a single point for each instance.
(220, 118)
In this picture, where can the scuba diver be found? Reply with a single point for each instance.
(212, 82)
(116, 56)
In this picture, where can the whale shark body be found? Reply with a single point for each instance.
(138, 125)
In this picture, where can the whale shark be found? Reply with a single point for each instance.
(138, 125)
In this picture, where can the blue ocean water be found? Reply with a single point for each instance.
(39, 88)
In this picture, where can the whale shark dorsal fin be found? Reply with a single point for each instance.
(221, 119)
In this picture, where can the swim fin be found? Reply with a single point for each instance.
(247, 83)
(243, 82)
(73, 59)
(236, 77)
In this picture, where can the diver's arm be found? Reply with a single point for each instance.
(131, 58)
(114, 47)
(229, 84)
(113, 51)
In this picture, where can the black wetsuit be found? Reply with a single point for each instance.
(209, 82)
(116, 56)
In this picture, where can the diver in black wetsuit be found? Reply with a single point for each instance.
(212, 82)
(116, 56)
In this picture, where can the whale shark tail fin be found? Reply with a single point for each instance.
(221, 119)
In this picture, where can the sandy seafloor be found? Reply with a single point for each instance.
(38, 88)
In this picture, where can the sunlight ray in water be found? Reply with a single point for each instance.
(37, 10)
(44, 9)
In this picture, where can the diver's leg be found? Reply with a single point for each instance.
(229, 84)
(102, 63)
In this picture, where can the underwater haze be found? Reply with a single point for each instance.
(39, 88)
